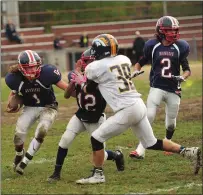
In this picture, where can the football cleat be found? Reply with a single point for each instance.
(194, 155)
(20, 168)
(135, 155)
(54, 178)
(18, 158)
(119, 160)
(97, 177)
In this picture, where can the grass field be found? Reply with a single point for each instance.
(156, 174)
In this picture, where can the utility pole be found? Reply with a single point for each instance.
(11, 11)
(165, 12)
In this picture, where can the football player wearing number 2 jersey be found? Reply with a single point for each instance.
(34, 81)
(110, 73)
(89, 116)
(166, 53)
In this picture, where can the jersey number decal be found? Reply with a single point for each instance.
(90, 99)
(123, 74)
(166, 72)
(56, 71)
(36, 98)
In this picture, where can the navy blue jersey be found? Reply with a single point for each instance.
(91, 105)
(38, 92)
(165, 62)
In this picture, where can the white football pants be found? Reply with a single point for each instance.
(134, 116)
(75, 127)
(30, 115)
(172, 102)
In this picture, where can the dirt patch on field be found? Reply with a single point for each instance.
(190, 109)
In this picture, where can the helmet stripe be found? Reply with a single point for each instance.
(113, 45)
(30, 55)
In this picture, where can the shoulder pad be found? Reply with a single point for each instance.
(50, 73)
(13, 81)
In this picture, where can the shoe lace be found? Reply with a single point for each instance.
(95, 171)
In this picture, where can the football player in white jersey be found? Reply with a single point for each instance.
(88, 117)
(167, 53)
(111, 74)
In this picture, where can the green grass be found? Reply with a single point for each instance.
(156, 174)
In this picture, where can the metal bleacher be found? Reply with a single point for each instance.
(37, 39)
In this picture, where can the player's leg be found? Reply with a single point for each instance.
(154, 99)
(74, 127)
(25, 120)
(145, 134)
(112, 127)
(172, 106)
(46, 119)
(117, 155)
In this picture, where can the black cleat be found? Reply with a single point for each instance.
(54, 178)
(119, 160)
(18, 159)
(20, 168)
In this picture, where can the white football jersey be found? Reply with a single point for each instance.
(113, 76)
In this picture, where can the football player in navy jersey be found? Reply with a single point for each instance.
(89, 116)
(34, 82)
(167, 53)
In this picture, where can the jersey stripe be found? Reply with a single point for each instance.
(154, 49)
(20, 86)
(177, 49)
(42, 84)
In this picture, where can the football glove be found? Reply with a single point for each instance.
(178, 78)
(78, 78)
(136, 73)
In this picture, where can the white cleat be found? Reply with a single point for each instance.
(194, 155)
(97, 177)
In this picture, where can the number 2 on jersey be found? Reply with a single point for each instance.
(166, 72)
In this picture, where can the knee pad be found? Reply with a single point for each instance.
(157, 146)
(18, 139)
(96, 145)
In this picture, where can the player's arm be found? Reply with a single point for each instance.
(89, 87)
(144, 60)
(184, 61)
(62, 85)
(70, 91)
(185, 68)
(13, 82)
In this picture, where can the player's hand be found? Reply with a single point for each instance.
(136, 73)
(178, 78)
(78, 65)
(78, 78)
